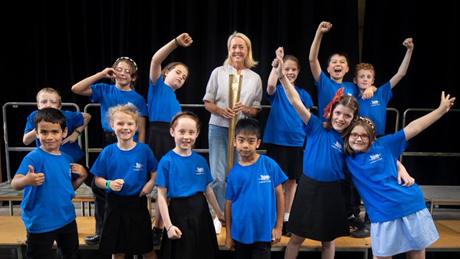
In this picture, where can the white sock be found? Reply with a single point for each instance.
(286, 216)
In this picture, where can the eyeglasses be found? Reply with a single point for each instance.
(355, 135)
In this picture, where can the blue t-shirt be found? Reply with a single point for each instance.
(49, 206)
(327, 88)
(284, 125)
(252, 192)
(108, 95)
(375, 108)
(323, 159)
(73, 120)
(376, 177)
(162, 101)
(183, 176)
(133, 166)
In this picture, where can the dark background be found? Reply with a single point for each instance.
(58, 43)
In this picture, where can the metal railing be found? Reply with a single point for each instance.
(9, 148)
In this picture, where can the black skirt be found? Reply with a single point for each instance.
(127, 226)
(318, 210)
(191, 215)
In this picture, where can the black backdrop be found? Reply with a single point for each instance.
(56, 44)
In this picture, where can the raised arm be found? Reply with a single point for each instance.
(420, 124)
(409, 44)
(84, 86)
(315, 66)
(291, 93)
(273, 77)
(183, 40)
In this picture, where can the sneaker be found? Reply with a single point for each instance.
(92, 240)
(217, 225)
(156, 236)
(358, 229)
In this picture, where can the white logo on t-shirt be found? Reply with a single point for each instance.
(375, 158)
(138, 166)
(264, 178)
(199, 171)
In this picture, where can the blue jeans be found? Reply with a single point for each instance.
(218, 141)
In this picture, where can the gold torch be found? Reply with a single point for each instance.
(234, 89)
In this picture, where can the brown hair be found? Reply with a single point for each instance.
(347, 101)
(188, 114)
(132, 65)
(171, 66)
(367, 124)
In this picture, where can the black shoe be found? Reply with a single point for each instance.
(360, 232)
(156, 236)
(92, 240)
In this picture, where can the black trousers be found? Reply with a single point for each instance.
(40, 245)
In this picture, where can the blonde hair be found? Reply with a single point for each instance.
(50, 91)
(128, 109)
(249, 61)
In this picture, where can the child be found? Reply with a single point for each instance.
(76, 122)
(327, 88)
(400, 220)
(375, 107)
(45, 175)
(126, 170)
(183, 177)
(284, 136)
(163, 105)
(337, 69)
(318, 210)
(255, 203)
(124, 73)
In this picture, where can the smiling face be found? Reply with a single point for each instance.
(291, 70)
(359, 139)
(184, 131)
(238, 51)
(124, 125)
(176, 76)
(124, 74)
(338, 67)
(342, 116)
(50, 135)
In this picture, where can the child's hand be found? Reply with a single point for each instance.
(35, 179)
(78, 169)
(184, 40)
(278, 65)
(174, 232)
(404, 178)
(229, 244)
(147, 189)
(446, 102)
(71, 138)
(109, 72)
(369, 92)
(117, 185)
(324, 27)
(279, 53)
(408, 43)
(276, 235)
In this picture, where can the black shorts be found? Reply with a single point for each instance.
(290, 159)
(318, 210)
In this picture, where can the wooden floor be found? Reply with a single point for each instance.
(13, 235)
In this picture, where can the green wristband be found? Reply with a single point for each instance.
(107, 185)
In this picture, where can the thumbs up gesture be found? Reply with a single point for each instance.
(33, 178)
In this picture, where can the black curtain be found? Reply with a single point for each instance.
(434, 26)
(58, 43)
